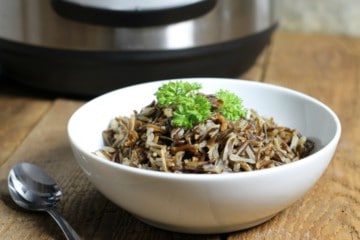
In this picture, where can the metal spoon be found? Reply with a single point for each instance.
(33, 189)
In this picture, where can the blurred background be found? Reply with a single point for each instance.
(66, 46)
(321, 16)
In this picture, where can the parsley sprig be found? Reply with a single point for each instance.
(231, 107)
(190, 107)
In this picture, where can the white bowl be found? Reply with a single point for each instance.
(197, 203)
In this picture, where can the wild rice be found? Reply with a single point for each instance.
(148, 140)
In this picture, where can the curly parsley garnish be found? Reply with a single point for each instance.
(190, 107)
(231, 107)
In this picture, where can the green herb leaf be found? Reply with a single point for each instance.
(191, 112)
(174, 93)
(231, 108)
(189, 107)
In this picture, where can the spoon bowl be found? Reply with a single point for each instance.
(33, 189)
(22, 202)
(34, 185)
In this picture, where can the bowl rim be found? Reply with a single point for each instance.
(194, 176)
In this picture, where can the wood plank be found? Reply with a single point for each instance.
(46, 146)
(19, 113)
(328, 68)
(256, 72)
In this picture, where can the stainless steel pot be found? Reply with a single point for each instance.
(89, 47)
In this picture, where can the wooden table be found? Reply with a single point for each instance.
(33, 129)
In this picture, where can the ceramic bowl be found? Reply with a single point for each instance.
(204, 203)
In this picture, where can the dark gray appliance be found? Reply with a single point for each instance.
(88, 47)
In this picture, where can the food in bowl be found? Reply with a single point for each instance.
(206, 203)
(186, 131)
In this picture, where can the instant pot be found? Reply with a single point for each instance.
(88, 47)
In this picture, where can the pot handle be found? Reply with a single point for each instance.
(121, 17)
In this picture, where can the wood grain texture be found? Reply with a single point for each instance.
(327, 68)
(18, 115)
(257, 71)
(46, 146)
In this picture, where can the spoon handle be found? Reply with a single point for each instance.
(64, 225)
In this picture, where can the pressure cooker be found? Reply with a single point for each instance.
(88, 47)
